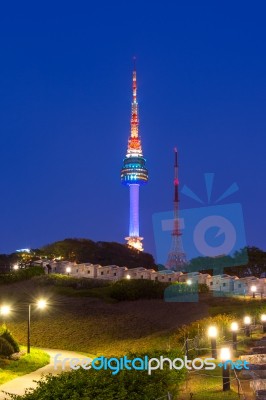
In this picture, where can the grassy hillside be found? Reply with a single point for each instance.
(92, 325)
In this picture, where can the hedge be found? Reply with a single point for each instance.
(21, 275)
(6, 349)
(7, 335)
(135, 289)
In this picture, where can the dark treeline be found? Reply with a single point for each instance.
(246, 262)
(82, 250)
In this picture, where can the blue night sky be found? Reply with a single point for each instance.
(65, 79)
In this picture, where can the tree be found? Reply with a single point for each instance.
(103, 253)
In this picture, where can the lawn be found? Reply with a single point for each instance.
(237, 306)
(101, 335)
(91, 325)
(100, 293)
(10, 369)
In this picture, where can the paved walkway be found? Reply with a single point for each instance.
(20, 384)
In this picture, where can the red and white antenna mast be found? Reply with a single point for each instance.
(176, 258)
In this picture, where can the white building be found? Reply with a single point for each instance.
(165, 276)
(220, 283)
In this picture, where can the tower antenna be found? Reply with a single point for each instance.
(176, 257)
(134, 63)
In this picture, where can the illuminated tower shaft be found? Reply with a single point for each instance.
(134, 211)
(134, 172)
(176, 258)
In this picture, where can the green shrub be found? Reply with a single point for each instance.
(6, 349)
(203, 288)
(7, 335)
(70, 281)
(135, 289)
(21, 275)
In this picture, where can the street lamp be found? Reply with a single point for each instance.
(247, 322)
(226, 356)
(128, 276)
(16, 267)
(253, 290)
(40, 304)
(212, 334)
(68, 270)
(234, 329)
(4, 311)
(189, 282)
(263, 320)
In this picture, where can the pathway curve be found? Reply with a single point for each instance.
(20, 384)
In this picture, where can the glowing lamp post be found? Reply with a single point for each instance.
(247, 322)
(212, 334)
(253, 291)
(16, 267)
(4, 311)
(225, 356)
(189, 282)
(68, 270)
(263, 321)
(41, 304)
(128, 276)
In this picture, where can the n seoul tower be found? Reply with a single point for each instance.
(134, 172)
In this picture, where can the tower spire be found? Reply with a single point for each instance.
(134, 142)
(134, 81)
